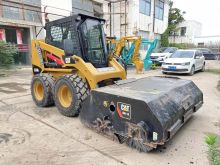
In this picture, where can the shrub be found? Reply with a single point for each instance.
(7, 52)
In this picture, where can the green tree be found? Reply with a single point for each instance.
(7, 52)
(175, 17)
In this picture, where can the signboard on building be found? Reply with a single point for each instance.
(2, 35)
(19, 36)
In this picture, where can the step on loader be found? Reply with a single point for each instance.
(72, 69)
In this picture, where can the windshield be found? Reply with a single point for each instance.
(165, 50)
(182, 54)
(159, 50)
(93, 41)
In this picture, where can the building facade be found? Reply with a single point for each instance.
(147, 18)
(88, 7)
(20, 21)
(186, 32)
(53, 10)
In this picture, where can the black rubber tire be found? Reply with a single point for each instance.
(79, 89)
(47, 82)
(203, 68)
(164, 72)
(192, 71)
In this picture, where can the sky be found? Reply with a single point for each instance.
(205, 12)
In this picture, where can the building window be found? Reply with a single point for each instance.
(144, 6)
(183, 31)
(11, 12)
(32, 2)
(159, 9)
(32, 16)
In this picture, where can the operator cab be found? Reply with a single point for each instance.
(79, 35)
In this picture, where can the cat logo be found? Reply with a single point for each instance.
(124, 110)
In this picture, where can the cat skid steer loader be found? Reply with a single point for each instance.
(72, 69)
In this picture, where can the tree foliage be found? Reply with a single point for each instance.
(164, 39)
(175, 17)
(7, 52)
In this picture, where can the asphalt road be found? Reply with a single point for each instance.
(32, 135)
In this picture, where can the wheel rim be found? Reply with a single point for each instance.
(65, 96)
(38, 90)
(193, 70)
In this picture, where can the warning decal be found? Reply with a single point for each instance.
(124, 110)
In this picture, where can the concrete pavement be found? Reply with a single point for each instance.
(32, 135)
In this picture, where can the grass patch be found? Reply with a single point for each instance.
(218, 86)
(211, 141)
(217, 71)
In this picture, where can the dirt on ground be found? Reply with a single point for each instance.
(33, 135)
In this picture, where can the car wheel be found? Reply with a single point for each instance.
(164, 72)
(203, 68)
(192, 71)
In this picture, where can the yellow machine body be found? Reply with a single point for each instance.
(86, 70)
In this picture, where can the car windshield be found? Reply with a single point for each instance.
(159, 50)
(164, 50)
(182, 54)
(204, 50)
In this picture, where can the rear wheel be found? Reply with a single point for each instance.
(70, 91)
(192, 71)
(41, 89)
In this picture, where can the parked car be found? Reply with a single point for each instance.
(184, 61)
(161, 54)
(209, 54)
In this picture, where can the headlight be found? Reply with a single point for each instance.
(186, 63)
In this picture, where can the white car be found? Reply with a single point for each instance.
(184, 61)
(160, 55)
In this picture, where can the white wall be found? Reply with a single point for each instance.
(193, 29)
(135, 21)
(59, 7)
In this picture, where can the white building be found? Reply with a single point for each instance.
(136, 17)
(186, 32)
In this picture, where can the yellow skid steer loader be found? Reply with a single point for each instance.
(72, 69)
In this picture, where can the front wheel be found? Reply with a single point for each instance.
(192, 71)
(69, 93)
(203, 68)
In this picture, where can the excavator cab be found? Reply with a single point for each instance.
(80, 35)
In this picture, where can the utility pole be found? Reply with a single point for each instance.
(110, 19)
(154, 13)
